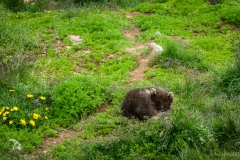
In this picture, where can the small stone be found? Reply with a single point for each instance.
(156, 48)
(158, 34)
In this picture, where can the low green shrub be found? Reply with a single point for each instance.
(14, 5)
(76, 97)
(231, 15)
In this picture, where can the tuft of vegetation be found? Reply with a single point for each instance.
(231, 15)
(174, 56)
(229, 81)
(14, 69)
(76, 97)
(14, 5)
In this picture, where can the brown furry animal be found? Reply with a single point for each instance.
(144, 103)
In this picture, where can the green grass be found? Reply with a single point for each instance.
(202, 69)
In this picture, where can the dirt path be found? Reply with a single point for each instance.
(136, 75)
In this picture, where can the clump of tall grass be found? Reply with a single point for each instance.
(14, 5)
(167, 137)
(14, 69)
(15, 43)
(173, 56)
(229, 82)
(226, 130)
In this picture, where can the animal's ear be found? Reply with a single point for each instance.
(170, 95)
(153, 91)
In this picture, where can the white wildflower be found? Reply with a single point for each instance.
(16, 145)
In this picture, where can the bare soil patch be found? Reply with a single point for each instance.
(50, 142)
(58, 45)
(103, 107)
(233, 27)
(132, 14)
(131, 34)
(138, 73)
(175, 38)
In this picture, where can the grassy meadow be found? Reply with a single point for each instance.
(50, 84)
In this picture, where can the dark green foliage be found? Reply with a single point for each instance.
(174, 56)
(186, 132)
(226, 131)
(39, 5)
(229, 82)
(188, 2)
(231, 15)
(14, 5)
(147, 7)
(32, 6)
(76, 97)
(214, 1)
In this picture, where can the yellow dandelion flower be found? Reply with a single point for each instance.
(4, 118)
(32, 122)
(30, 96)
(11, 122)
(3, 109)
(7, 108)
(46, 117)
(46, 108)
(11, 90)
(23, 122)
(15, 108)
(36, 116)
(12, 110)
(5, 114)
(42, 98)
